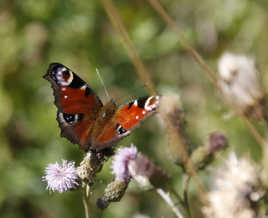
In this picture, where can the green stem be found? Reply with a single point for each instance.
(185, 195)
(165, 196)
(179, 198)
(86, 196)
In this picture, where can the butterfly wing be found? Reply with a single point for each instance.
(124, 120)
(77, 104)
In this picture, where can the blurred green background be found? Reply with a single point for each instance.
(79, 35)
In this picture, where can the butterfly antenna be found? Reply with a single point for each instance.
(101, 80)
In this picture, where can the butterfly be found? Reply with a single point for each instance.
(82, 117)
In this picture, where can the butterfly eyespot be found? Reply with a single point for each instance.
(65, 73)
(151, 103)
(120, 130)
(72, 118)
(63, 76)
(69, 118)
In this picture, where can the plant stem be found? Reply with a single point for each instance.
(179, 198)
(86, 196)
(168, 200)
(185, 194)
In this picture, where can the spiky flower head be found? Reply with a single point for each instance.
(121, 160)
(237, 188)
(61, 177)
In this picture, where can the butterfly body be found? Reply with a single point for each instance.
(83, 118)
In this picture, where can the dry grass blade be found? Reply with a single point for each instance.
(156, 5)
(143, 73)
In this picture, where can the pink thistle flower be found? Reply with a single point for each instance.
(61, 178)
(121, 159)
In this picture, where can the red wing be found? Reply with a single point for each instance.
(77, 104)
(131, 115)
(126, 118)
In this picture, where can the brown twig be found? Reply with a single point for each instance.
(156, 5)
(143, 73)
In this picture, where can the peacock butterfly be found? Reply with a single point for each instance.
(82, 117)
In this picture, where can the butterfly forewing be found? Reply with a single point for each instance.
(77, 104)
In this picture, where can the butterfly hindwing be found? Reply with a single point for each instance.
(124, 120)
(77, 104)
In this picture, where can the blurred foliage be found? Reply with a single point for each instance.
(80, 35)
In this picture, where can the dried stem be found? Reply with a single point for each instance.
(156, 5)
(168, 200)
(211, 75)
(143, 73)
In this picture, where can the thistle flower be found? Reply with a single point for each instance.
(217, 141)
(62, 177)
(239, 82)
(237, 187)
(129, 163)
(121, 160)
(145, 173)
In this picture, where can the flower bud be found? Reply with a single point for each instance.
(91, 164)
(112, 193)
(217, 141)
(171, 111)
(200, 157)
(203, 155)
